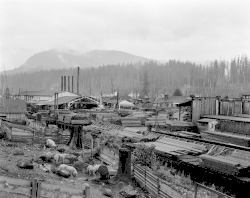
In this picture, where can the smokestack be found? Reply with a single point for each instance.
(61, 83)
(72, 84)
(64, 83)
(69, 83)
(78, 71)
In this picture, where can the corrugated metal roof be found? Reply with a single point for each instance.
(61, 100)
(12, 106)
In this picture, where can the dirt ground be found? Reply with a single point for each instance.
(9, 168)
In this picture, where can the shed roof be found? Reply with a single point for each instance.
(178, 99)
(36, 93)
(231, 118)
(61, 100)
(206, 120)
(12, 106)
(126, 103)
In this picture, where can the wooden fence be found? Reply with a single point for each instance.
(220, 195)
(35, 189)
(156, 186)
(216, 106)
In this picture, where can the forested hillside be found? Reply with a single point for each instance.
(220, 78)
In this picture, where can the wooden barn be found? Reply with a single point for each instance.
(13, 109)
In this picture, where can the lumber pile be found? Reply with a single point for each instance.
(227, 137)
(18, 133)
(158, 120)
(174, 125)
(177, 147)
(131, 123)
(231, 164)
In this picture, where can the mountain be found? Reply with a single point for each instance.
(59, 59)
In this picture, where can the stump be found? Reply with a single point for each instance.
(124, 170)
(76, 138)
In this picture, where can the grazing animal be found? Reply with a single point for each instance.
(93, 169)
(69, 169)
(57, 157)
(50, 143)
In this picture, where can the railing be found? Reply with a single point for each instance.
(220, 195)
(37, 189)
(158, 187)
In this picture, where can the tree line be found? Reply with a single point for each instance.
(224, 78)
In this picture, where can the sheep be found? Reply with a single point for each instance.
(93, 169)
(50, 143)
(58, 156)
(69, 169)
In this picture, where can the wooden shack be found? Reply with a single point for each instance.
(13, 109)
(207, 124)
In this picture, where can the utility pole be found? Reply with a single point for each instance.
(117, 98)
(156, 117)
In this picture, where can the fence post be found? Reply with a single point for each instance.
(34, 188)
(158, 187)
(196, 189)
(38, 191)
(87, 192)
(91, 144)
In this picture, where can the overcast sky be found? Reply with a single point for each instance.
(194, 30)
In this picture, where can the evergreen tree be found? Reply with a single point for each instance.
(145, 83)
(177, 92)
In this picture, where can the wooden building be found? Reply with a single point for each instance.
(12, 109)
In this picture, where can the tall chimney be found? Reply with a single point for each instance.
(78, 71)
(69, 83)
(72, 84)
(61, 83)
(65, 83)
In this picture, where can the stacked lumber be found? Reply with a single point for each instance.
(174, 125)
(225, 164)
(139, 114)
(104, 116)
(227, 137)
(80, 119)
(187, 134)
(131, 123)
(18, 133)
(177, 147)
(158, 120)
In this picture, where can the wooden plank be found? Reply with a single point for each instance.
(14, 181)
(34, 188)
(45, 186)
(15, 190)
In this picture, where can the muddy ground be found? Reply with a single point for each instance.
(9, 168)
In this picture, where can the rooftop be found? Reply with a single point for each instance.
(12, 106)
